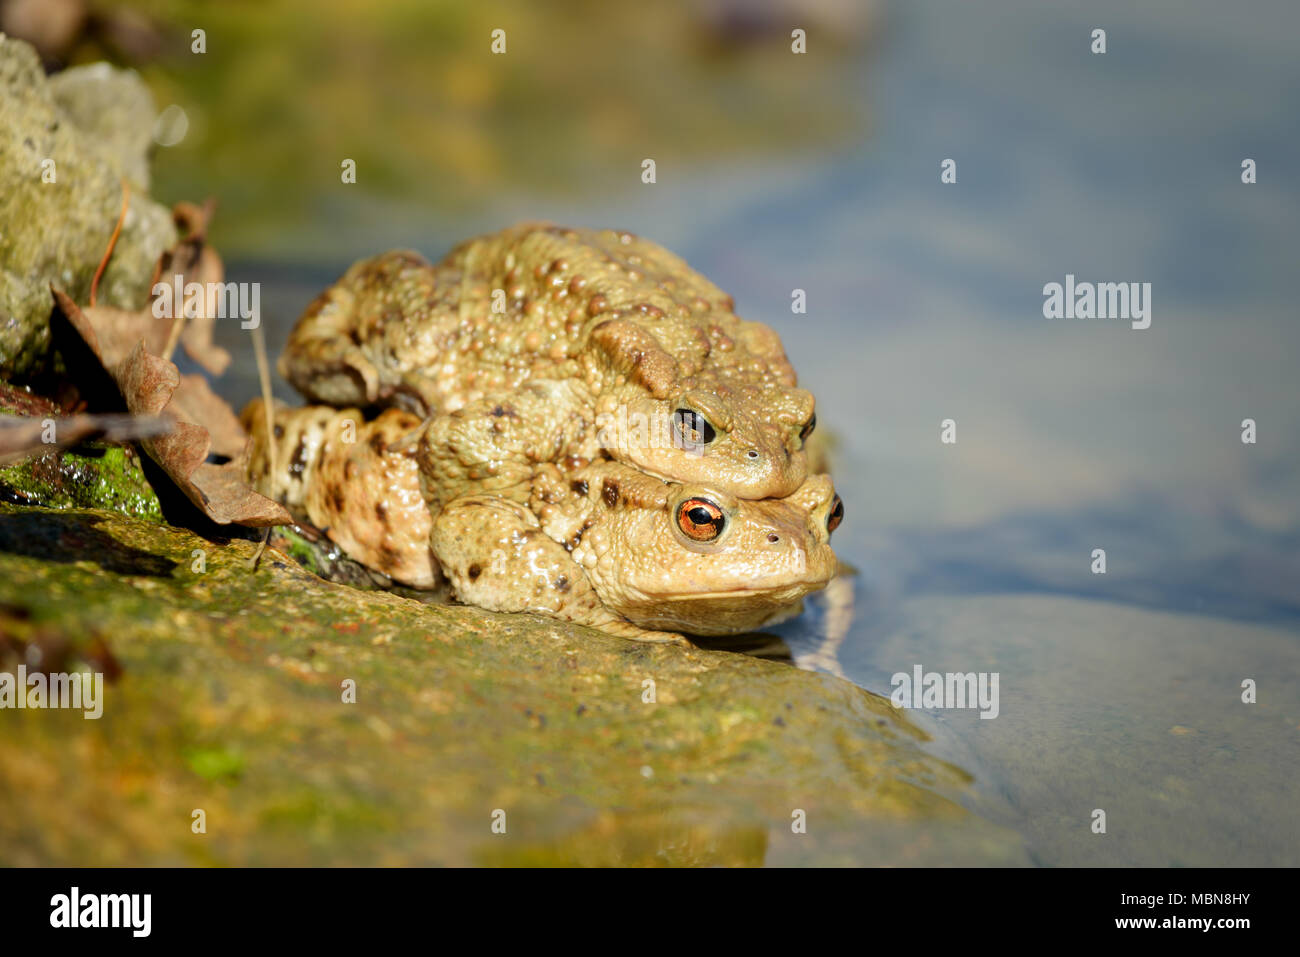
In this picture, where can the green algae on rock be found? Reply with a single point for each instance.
(588, 748)
(90, 476)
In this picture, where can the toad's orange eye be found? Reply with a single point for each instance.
(836, 515)
(700, 520)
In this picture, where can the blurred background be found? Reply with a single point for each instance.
(821, 171)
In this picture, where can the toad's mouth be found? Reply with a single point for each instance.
(784, 591)
(723, 612)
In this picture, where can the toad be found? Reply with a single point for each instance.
(540, 344)
(598, 543)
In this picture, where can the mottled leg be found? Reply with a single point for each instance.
(339, 471)
(497, 557)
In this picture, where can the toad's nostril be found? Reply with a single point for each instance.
(752, 453)
(774, 538)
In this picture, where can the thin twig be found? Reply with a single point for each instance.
(261, 547)
(264, 377)
(194, 220)
(112, 241)
(174, 335)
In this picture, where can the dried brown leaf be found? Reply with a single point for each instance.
(116, 331)
(150, 385)
(195, 402)
(193, 260)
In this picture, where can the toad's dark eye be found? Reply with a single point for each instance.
(692, 428)
(807, 430)
(836, 515)
(700, 520)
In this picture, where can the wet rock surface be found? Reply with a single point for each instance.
(228, 697)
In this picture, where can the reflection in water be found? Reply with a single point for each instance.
(817, 632)
(836, 616)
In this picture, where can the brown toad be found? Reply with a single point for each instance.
(600, 543)
(543, 344)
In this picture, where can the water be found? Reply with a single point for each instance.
(1119, 691)
(1123, 691)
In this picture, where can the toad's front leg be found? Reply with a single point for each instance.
(497, 557)
(491, 446)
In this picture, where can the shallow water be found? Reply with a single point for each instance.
(1118, 691)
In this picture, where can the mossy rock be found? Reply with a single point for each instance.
(229, 699)
(61, 175)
